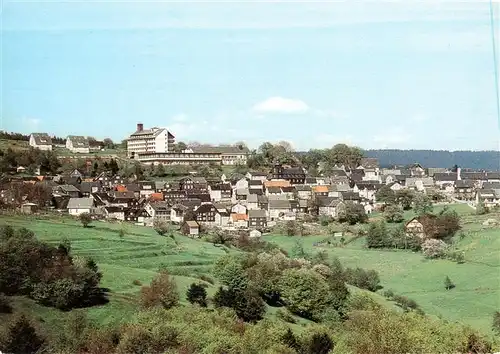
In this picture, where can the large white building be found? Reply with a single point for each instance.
(41, 141)
(78, 144)
(154, 140)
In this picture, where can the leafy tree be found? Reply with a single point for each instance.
(230, 271)
(341, 154)
(196, 294)
(385, 195)
(353, 213)
(364, 279)
(319, 343)
(290, 340)
(481, 208)
(161, 292)
(21, 337)
(405, 197)
(377, 235)
(298, 250)
(305, 292)
(496, 322)
(247, 304)
(448, 284)
(433, 248)
(393, 213)
(85, 219)
(422, 204)
(113, 166)
(108, 143)
(161, 226)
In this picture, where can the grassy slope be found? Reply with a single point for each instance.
(476, 295)
(136, 256)
(14, 144)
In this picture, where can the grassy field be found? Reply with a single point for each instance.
(136, 256)
(477, 293)
(14, 144)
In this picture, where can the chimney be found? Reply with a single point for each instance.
(140, 127)
(459, 171)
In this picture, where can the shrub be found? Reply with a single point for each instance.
(496, 322)
(393, 213)
(319, 343)
(137, 282)
(432, 248)
(21, 337)
(377, 235)
(325, 220)
(161, 226)
(285, 316)
(405, 303)
(229, 270)
(352, 213)
(85, 219)
(290, 340)
(247, 304)
(196, 294)
(389, 294)
(207, 278)
(161, 292)
(448, 284)
(5, 304)
(140, 339)
(481, 209)
(364, 279)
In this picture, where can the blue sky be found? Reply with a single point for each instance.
(401, 74)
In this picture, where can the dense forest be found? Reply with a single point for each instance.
(483, 160)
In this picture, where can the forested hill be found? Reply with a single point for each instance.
(487, 160)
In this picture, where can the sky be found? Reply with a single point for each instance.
(376, 74)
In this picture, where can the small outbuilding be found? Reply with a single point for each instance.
(190, 228)
(29, 208)
(255, 234)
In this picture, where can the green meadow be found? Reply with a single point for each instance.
(130, 255)
(477, 293)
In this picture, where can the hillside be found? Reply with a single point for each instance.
(483, 160)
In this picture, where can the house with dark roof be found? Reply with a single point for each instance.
(328, 206)
(303, 191)
(191, 182)
(371, 169)
(230, 154)
(210, 215)
(41, 141)
(257, 219)
(446, 178)
(78, 144)
(253, 202)
(464, 189)
(295, 175)
(87, 188)
(66, 190)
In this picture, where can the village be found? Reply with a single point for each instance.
(254, 202)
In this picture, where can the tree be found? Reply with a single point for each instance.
(85, 219)
(196, 294)
(161, 226)
(160, 170)
(113, 166)
(305, 292)
(404, 197)
(229, 269)
(319, 343)
(285, 145)
(448, 284)
(385, 195)
(341, 154)
(377, 235)
(393, 213)
(496, 322)
(298, 250)
(433, 248)
(364, 279)
(21, 337)
(481, 208)
(161, 292)
(108, 143)
(422, 204)
(352, 213)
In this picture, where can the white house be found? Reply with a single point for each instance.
(41, 141)
(77, 206)
(239, 209)
(154, 140)
(77, 144)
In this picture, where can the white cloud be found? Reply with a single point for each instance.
(281, 105)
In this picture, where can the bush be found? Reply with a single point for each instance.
(286, 316)
(207, 278)
(481, 209)
(405, 303)
(432, 248)
(5, 304)
(319, 343)
(496, 322)
(161, 292)
(21, 337)
(196, 294)
(393, 213)
(139, 339)
(352, 214)
(389, 294)
(247, 304)
(325, 220)
(137, 282)
(448, 284)
(85, 219)
(364, 279)
(161, 226)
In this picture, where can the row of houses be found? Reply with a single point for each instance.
(74, 143)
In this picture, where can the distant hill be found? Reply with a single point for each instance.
(481, 160)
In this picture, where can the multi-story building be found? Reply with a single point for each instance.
(149, 141)
(41, 141)
(77, 144)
